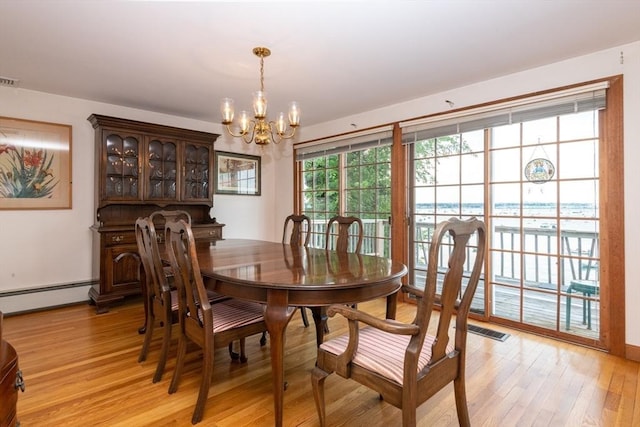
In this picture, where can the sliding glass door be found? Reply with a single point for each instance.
(544, 215)
(535, 182)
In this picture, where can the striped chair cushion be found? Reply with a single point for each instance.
(382, 352)
(234, 313)
(174, 300)
(213, 298)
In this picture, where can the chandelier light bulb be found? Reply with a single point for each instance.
(294, 114)
(245, 122)
(226, 108)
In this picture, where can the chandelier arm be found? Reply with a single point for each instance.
(235, 135)
(241, 135)
(272, 125)
(275, 138)
(253, 132)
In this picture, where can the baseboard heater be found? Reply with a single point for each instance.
(48, 288)
(27, 300)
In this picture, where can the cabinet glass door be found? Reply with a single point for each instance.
(122, 181)
(196, 174)
(162, 169)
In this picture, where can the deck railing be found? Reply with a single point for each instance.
(578, 254)
(376, 239)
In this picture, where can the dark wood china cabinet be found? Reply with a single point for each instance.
(142, 167)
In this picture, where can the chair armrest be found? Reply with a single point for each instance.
(413, 290)
(387, 325)
(343, 361)
(419, 293)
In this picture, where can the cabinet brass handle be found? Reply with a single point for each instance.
(19, 381)
(118, 238)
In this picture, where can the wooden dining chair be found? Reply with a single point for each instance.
(209, 326)
(161, 302)
(405, 363)
(298, 230)
(339, 241)
(160, 295)
(344, 235)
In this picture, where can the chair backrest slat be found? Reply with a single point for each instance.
(147, 241)
(344, 233)
(453, 298)
(194, 303)
(300, 232)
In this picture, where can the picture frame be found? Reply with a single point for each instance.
(238, 174)
(35, 164)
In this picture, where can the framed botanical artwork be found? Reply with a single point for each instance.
(237, 173)
(35, 164)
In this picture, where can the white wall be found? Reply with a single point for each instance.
(590, 67)
(53, 247)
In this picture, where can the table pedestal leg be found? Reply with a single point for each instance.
(277, 315)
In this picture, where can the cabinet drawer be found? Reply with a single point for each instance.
(207, 233)
(119, 238)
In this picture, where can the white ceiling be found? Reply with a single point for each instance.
(335, 58)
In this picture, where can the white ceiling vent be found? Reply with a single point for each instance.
(8, 81)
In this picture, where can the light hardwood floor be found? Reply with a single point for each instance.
(81, 369)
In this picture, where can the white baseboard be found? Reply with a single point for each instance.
(23, 300)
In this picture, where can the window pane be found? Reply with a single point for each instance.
(353, 177)
(583, 195)
(505, 165)
(448, 145)
(505, 136)
(448, 199)
(539, 200)
(579, 126)
(579, 160)
(506, 302)
(473, 141)
(472, 166)
(505, 199)
(472, 200)
(424, 171)
(539, 131)
(424, 199)
(540, 309)
(448, 170)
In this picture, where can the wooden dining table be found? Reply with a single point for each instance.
(284, 277)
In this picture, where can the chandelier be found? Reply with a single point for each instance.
(259, 129)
